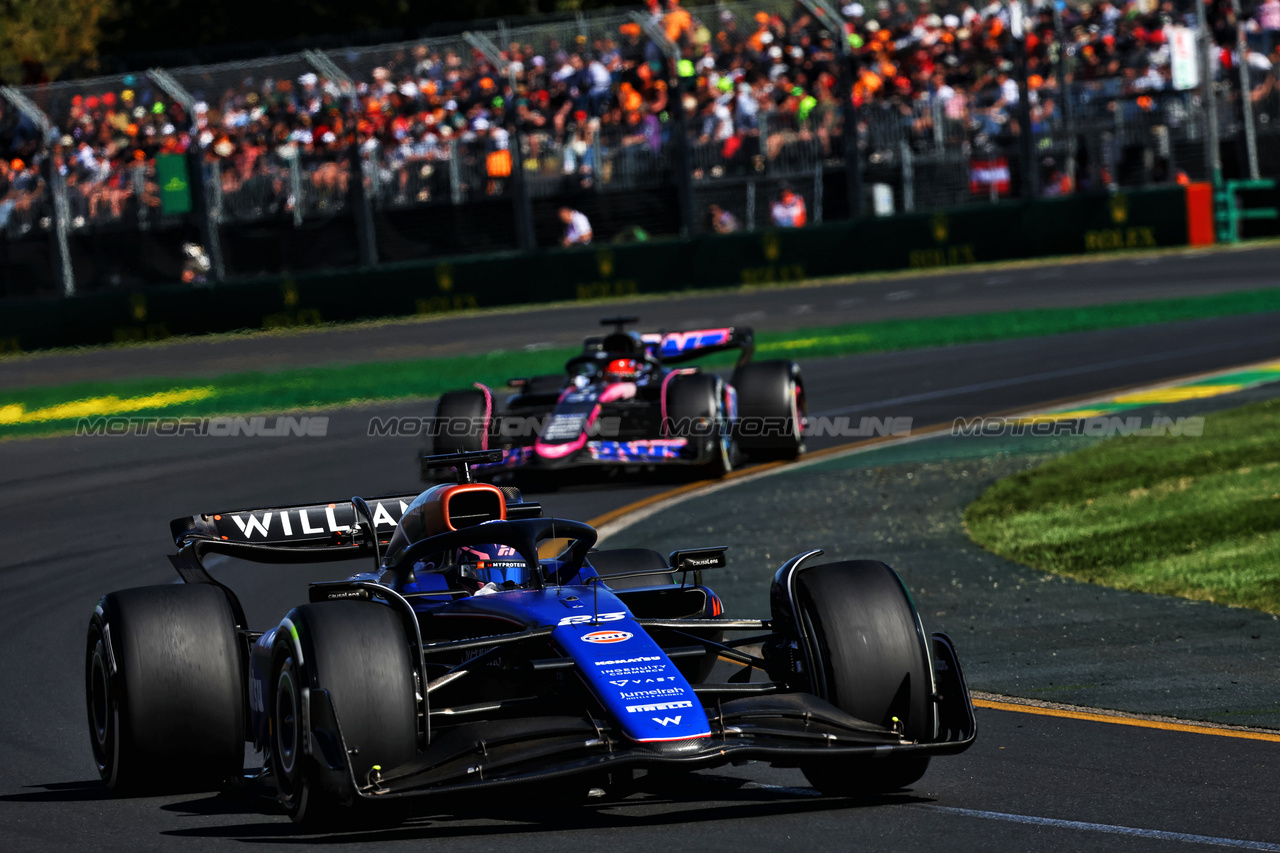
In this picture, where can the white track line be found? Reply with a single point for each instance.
(1034, 820)
(1109, 829)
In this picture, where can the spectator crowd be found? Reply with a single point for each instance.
(760, 92)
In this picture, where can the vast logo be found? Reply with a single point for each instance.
(607, 637)
(585, 619)
(663, 721)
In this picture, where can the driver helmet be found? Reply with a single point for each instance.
(500, 565)
(622, 370)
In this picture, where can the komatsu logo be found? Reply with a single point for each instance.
(644, 659)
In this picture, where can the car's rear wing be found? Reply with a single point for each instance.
(305, 533)
(307, 525)
(677, 347)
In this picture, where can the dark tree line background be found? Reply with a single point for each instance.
(56, 39)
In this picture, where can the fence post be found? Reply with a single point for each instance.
(680, 167)
(1026, 143)
(366, 239)
(526, 238)
(1213, 155)
(1246, 102)
(202, 203)
(849, 113)
(295, 187)
(817, 194)
(56, 186)
(1067, 105)
(908, 177)
(138, 177)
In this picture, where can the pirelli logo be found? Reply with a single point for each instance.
(658, 706)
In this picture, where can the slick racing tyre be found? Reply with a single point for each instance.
(619, 561)
(463, 421)
(358, 653)
(771, 409)
(164, 686)
(695, 410)
(872, 663)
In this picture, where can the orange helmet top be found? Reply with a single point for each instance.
(622, 369)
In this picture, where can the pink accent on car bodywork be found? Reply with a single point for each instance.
(488, 414)
(666, 380)
(559, 451)
(618, 391)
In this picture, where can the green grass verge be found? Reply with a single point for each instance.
(1196, 517)
(337, 385)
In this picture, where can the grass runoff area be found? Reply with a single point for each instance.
(1196, 517)
(47, 410)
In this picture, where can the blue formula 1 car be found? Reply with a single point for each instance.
(487, 647)
(629, 400)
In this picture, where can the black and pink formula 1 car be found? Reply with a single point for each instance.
(629, 400)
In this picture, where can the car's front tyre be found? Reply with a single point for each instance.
(356, 651)
(872, 662)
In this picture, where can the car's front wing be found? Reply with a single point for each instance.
(786, 729)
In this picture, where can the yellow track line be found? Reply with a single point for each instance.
(1125, 721)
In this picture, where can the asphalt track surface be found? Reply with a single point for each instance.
(1076, 282)
(87, 515)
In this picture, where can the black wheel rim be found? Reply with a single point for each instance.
(99, 696)
(98, 700)
(286, 727)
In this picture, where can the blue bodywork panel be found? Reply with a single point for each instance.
(620, 664)
(610, 649)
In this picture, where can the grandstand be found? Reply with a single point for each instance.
(360, 156)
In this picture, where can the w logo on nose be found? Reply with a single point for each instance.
(664, 721)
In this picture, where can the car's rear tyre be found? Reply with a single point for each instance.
(618, 561)
(463, 421)
(357, 651)
(164, 686)
(695, 410)
(771, 409)
(871, 662)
